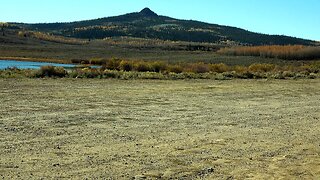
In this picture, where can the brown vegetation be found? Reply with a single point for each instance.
(51, 71)
(296, 52)
(20, 47)
(125, 69)
(51, 38)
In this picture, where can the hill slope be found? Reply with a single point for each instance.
(147, 24)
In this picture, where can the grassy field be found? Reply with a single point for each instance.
(13, 46)
(237, 129)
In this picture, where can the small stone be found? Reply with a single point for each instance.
(55, 165)
(140, 177)
(210, 170)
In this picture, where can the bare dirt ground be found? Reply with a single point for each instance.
(114, 129)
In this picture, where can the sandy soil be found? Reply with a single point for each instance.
(112, 129)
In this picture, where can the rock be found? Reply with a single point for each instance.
(140, 177)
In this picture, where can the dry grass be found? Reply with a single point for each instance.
(97, 129)
(52, 38)
(18, 47)
(296, 52)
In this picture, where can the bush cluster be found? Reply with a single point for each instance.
(140, 66)
(163, 67)
(123, 69)
(290, 52)
(93, 61)
(51, 71)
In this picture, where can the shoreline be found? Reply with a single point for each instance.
(60, 61)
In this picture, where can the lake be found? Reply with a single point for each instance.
(32, 65)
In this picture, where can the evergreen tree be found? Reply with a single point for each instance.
(2, 29)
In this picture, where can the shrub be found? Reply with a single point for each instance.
(311, 68)
(151, 75)
(198, 68)
(125, 65)
(240, 69)
(91, 73)
(175, 68)
(80, 61)
(129, 75)
(142, 66)
(175, 76)
(12, 72)
(51, 71)
(113, 64)
(288, 74)
(76, 61)
(110, 74)
(84, 61)
(158, 66)
(261, 67)
(97, 61)
(229, 74)
(219, 68)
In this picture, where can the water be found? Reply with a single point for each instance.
(32, 65)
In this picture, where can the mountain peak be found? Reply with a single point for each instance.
(147, 12)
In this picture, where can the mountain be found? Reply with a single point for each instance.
(148, 13)
(148, 24)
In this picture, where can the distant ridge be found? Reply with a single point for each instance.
(148, 24)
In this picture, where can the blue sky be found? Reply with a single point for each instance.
(298, 18)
